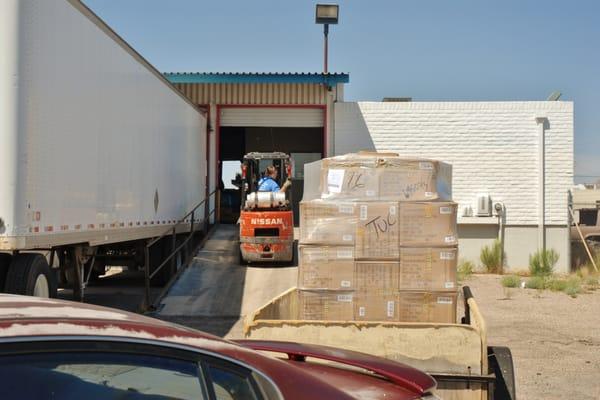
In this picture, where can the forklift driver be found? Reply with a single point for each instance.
(268, 183)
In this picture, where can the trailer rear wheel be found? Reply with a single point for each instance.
(5, 260)
(29, 274)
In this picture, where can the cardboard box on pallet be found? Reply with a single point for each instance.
(414, 179)
(376, 290)
(427, 224)
(377, 231)
(328, 222)
(374, 305)
(422, 306)
(405, 306)
(326, 305)
(384, 176)
(376, 276)
(326, 267)
(427, 268)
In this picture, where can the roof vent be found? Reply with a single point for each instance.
(554, 96)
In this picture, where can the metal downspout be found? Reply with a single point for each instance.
(541, 122)
(500, 211)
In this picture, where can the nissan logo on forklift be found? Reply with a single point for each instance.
(266, 221)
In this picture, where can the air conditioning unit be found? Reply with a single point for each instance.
(484, 205)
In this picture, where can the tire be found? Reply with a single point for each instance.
(5, 260)
(29, 274)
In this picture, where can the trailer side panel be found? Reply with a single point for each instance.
(107, 150)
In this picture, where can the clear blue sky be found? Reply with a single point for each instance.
(427, 50)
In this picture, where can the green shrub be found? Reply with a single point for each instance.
(592, 281)
(464, 270)
(573, 290)
(510, 281)
(572, 286)
(556, 285)
(536, 282)
(542, 262)
(491, 257)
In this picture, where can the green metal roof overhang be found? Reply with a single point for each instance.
(206, 77)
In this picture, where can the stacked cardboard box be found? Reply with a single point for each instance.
(381, 243)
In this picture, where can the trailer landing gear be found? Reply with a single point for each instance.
(74, 263)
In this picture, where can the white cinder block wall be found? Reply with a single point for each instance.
(494, 149)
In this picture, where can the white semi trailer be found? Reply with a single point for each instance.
(99, 151)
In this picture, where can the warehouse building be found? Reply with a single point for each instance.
(512, 161)
(516, 157)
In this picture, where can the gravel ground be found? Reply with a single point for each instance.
(554, 339)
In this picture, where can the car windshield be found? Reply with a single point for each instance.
(98, 376)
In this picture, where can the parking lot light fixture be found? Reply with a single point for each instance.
(326, 14)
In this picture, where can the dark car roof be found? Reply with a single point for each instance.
(24, 316)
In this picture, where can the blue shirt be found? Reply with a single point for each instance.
(267, 184)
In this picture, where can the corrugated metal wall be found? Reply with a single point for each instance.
(254, 93)
(288, 117)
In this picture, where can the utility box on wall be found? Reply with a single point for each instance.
(484, 205)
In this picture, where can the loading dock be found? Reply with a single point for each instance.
(296, 131)
(262, 112)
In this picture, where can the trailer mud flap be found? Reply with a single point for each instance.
(501, 364)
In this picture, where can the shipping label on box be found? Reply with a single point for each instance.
(376, 306)
(326, 305)
(428, 268)
(437, 307)
(377, 230)
(377, 276)
(348, 182)
(326, 267)
(428, 224)
(327, 222)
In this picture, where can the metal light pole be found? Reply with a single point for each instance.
(326, 14)
(326, 33)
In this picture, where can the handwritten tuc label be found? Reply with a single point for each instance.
(380, 225)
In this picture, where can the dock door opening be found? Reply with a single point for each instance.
(238, 135)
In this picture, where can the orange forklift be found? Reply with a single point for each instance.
(266, 216)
